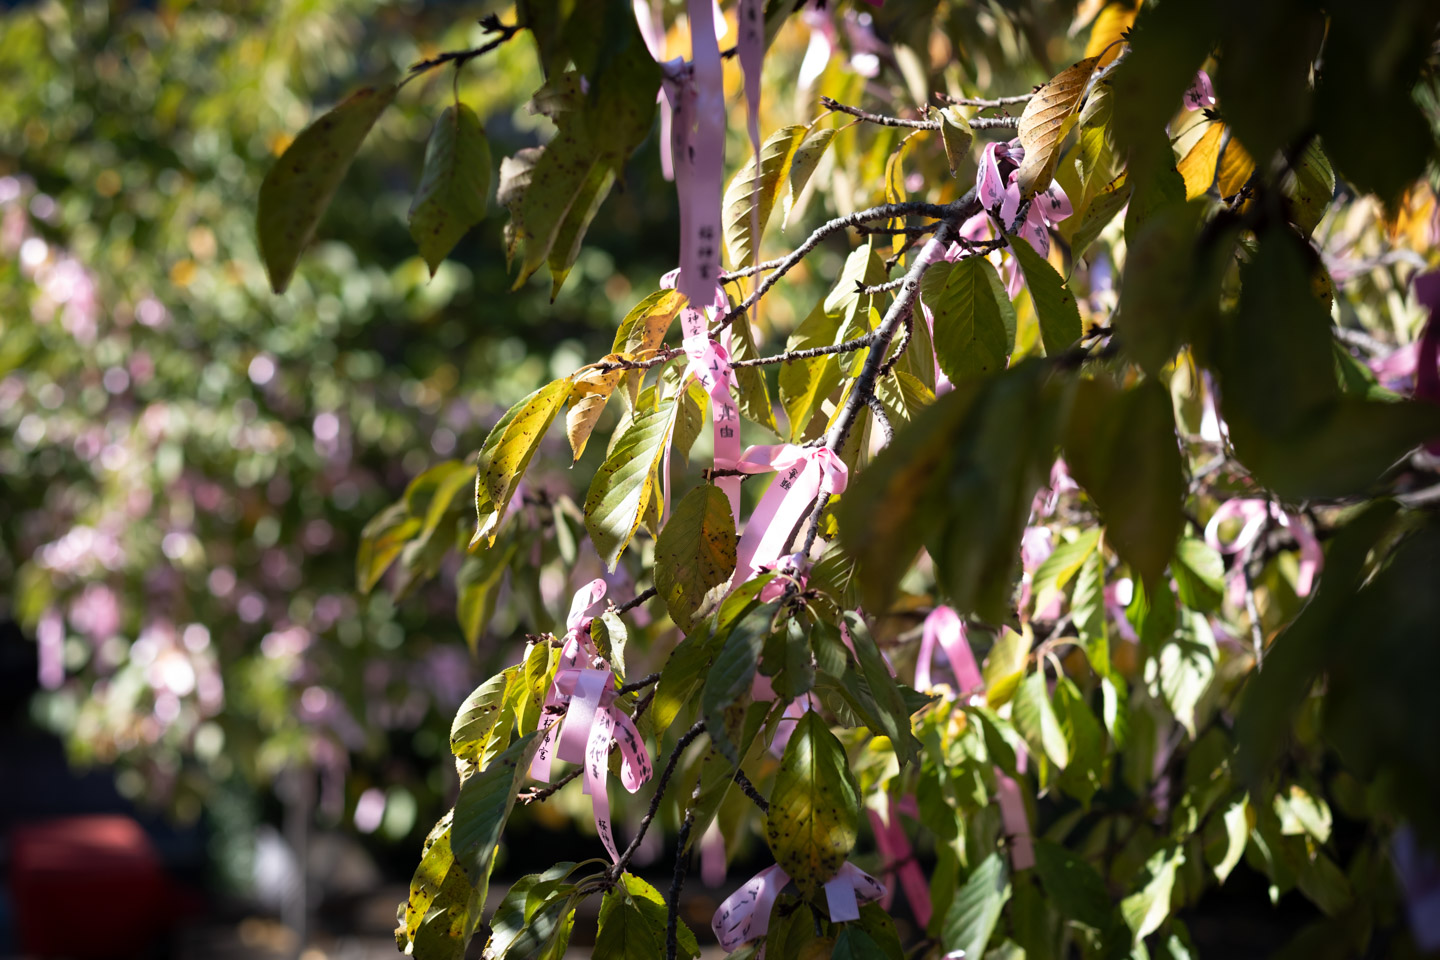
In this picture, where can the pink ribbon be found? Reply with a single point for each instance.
(1200, 94)
(585, 695)
(698, 140)
(1253, 513)
(900, 859)
(745, 914)
(1013, 816)
(804, 473)
(944, 627)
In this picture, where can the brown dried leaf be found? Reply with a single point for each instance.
(1048, 117)
(592, 388)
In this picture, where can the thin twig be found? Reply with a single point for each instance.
(640, 684)
(686, 738)
(749, 790)
(677, 881)
(906, 333)
(918, 231)
(461, 57)
(1362, 340)
(957, 212)
(537, 794)
(877, 410)
(751, 270)
(662, 355)
(983, 103)
(885, 211)
(639, 598)
(849, 346)
(885, 287)
(978, 123)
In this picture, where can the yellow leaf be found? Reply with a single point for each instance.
(1109, 26)
(588, 394)
(1048, 117)
(1198, 167)
(1235, 169)
(1085, 11)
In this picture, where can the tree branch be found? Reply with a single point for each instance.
(849, 346)
(686, 738)
(885, 211)
(631, 604)
(749, 789)
(491, 24)
(957, 212)
(677, 881)
(977, 123)
(640, 684)
(536, 794)
(983, 103)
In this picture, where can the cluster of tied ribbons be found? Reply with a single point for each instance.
(585, 687)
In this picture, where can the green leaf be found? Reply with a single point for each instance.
(806, 158)
(479, 714)
(959, 479)
(1095, 162)
(1145, 910)
(565, 244)
(1059, 315)
(627, 482)
(1072, 884)
(974, 319)
(609, 633)
(507, 452)
(814, 806)
(695, 554)
(1035, 719)
(454, 186)
(431, 497)
(754, 393)
(1224, 856)
(1288, 420)
(477, 591)
(956, 135)
(482, 808)
(787, 660)
(855, 944)
(804, 384)
(976, 908)
(1187, 665)
(1199, 573)
(1084, 741)
(729, 679)
(441, 913)
(1171, 285)
(1064, 562)
(299, 186)
(884, 689)
(1310, 187)
(1265, 84)
(632, 923)
(1121, 447)
(530, 914)
(748, 195)
(381, 541)
(1097, 216)
(1005, 667)
(903, 396)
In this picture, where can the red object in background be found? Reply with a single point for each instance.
(86, 887)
